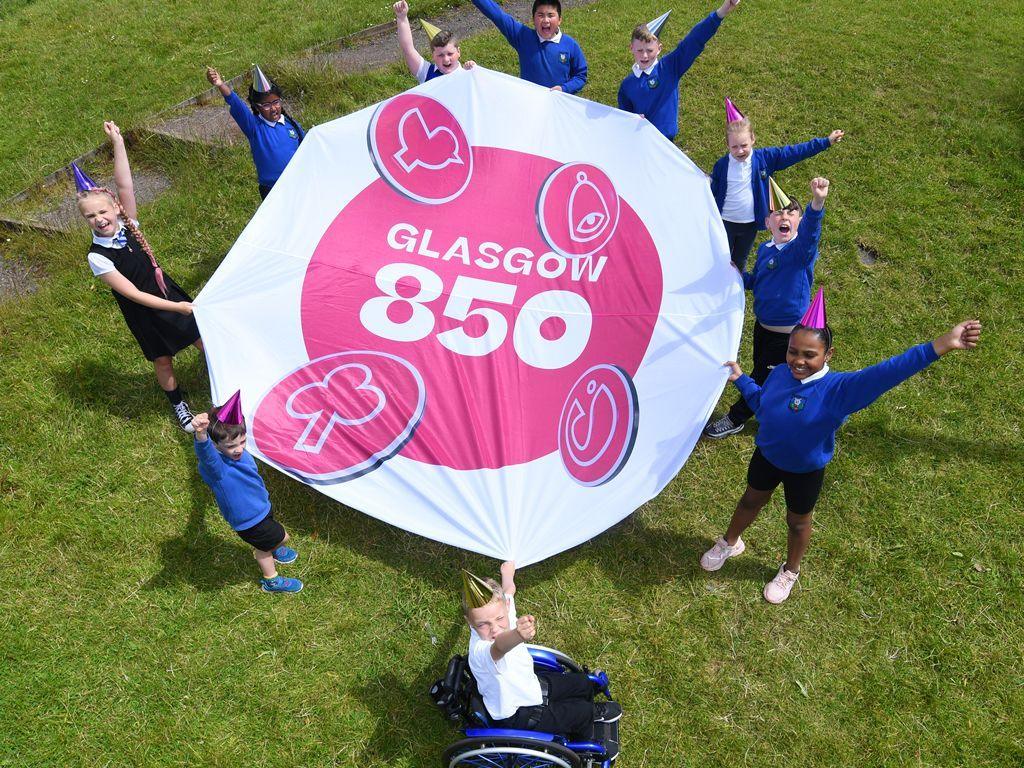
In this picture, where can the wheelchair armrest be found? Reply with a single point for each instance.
(494, 733)
(553, 660)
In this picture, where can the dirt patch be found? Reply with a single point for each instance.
(209, 124)
(17, 278)
(867, 254)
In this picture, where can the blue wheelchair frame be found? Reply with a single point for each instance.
(478, 729)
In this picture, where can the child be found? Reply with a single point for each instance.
(273, 134)
(800, 407)
(652, 89)
(514, 695)
(739, 179)
(546, 56)
(444, 48)
(781, 282)
(231, 473)
(158, 312)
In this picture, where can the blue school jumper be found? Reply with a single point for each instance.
(655, 94)
(799, 420)
(558, 61)
(241, 495)
(272, 145)
(782, 277)
(766, 162)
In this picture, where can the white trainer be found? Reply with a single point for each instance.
(720, 551)
(777, 590)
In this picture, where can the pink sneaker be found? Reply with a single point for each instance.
(777, 590)
(715, 557)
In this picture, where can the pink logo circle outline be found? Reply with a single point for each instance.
(380, 163)
(633, 417)
(603, 236)
(372, 462)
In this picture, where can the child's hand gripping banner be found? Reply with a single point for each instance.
(481, 311)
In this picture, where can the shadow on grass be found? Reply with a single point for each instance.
(199, 558)
(96, 384)
(408, 724)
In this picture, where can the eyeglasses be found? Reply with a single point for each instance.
(269, 104)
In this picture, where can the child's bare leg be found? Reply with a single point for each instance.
(164, 368)
(508, 573)
(199, 345)
(797, 540)
(751, 503)
(265, 560)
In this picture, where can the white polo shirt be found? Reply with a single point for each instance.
(739, 195)
(507, 684)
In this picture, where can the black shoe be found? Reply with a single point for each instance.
(184, 416)
(723, 427)
(607, 711)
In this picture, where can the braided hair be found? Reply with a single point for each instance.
(824, 334)
(132, 227)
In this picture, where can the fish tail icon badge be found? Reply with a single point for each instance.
(588, 211)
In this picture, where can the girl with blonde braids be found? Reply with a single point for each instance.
(158, 312)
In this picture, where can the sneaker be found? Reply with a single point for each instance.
(777, 590)
(607, 711)
(281, 584)
(284, 555)
(715, 557)
(723, 427)
(184, 415)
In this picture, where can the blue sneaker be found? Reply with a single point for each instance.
(281, 584)
(285, 555)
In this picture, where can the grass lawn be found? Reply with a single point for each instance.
(132, 631)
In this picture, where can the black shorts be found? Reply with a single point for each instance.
(801, 488)
(266, 535)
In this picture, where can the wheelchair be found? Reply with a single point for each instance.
(487, 747)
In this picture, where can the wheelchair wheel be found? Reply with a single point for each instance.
(509, 752)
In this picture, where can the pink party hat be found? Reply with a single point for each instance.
(231, 411)
(82, 181)
(731, 113)
(815, 316)
(260, 83)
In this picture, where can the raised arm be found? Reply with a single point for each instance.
(218, 82)
(508, 26)
(240, 113)
(779, 158)
(126, 288)
(524, 632)
(122, 170)
(413, 60)
(749, 389)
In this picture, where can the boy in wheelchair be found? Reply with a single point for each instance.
(514, 695)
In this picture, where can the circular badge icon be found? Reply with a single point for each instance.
(340, 416)
(598, 425)
(577, 209)
(419, 149)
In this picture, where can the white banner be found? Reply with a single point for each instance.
(484, 312)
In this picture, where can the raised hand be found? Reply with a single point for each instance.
(201, 423)
(113, 132)
(401, 9)
(963, 335)
(508, 575)
(727, 7)
(526, 626)
(819, 188)
(214, 77)
(835, 137)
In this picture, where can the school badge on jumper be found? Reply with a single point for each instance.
(771, 263)
(764, 173)
(797, 404)
(292, 133)
(563, 57)
(652, 83)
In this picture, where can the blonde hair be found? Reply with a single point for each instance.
(643, 34)
(739, 126)
(497, 593)
(130, 225)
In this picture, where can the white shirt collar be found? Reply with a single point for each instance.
(279, 120)
(750, 158)
(108, 242)
(637, 71)
(556, 38)
(780, 246)
(815, 376)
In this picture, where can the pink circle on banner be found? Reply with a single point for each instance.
(497, 323)
(578, 209)
(339, 416)
(420, 149)
(597, 428)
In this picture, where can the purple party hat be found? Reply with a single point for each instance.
(815, 316)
